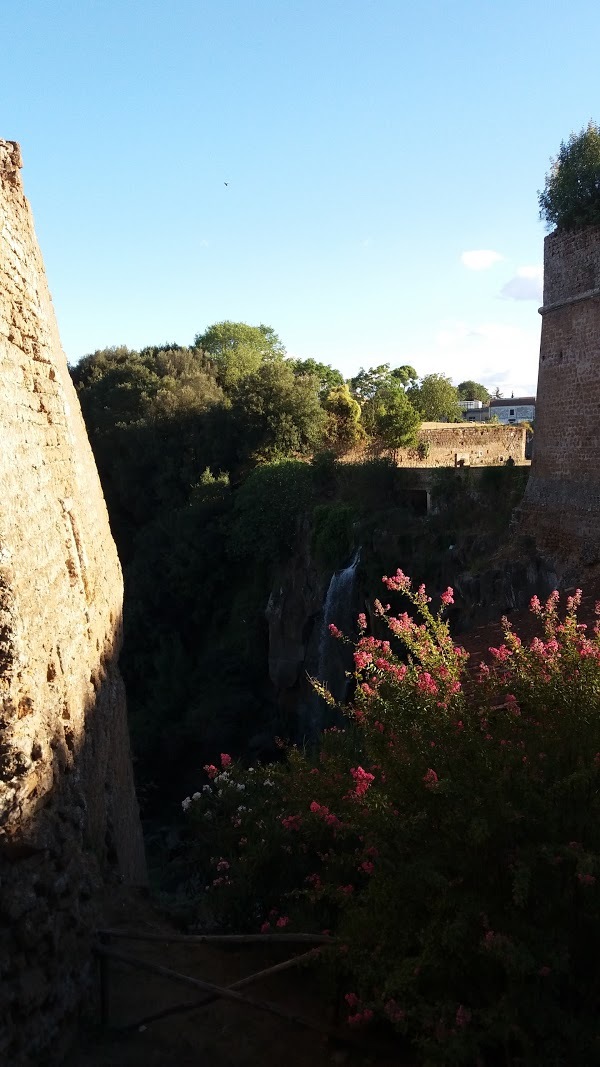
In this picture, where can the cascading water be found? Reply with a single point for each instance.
(334, 658)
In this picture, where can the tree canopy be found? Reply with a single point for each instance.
(238, 350)
(436, 399)
(386, 411)
(471, 390)
(571, 195)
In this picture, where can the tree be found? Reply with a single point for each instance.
(396, 420)
(328, 377)
(571, 195)
(436, 399)
(343, 428)
(405, 374)
(238, 350)
(379, 391)
(277, 414)
(366, 383)
(471, 390)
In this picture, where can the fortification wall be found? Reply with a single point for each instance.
(468, 444)
(67, 803)
(561, 507)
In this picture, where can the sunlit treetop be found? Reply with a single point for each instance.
(571, 196)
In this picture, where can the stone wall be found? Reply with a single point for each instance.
(68, 813)
(561, 508)
(464, 444)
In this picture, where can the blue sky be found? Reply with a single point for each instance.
(368, 145)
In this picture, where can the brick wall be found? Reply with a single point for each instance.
(561, 508)
(475, 444)
(67, 803)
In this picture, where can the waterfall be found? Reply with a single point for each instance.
(334, 658)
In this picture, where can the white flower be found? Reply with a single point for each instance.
(186, 803)
(268, 781)
(196, 796)
(240, 786)
(206, 789)
(250, 770)
(242, 807)
(208, 815)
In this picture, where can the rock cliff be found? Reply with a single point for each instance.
(68, 813)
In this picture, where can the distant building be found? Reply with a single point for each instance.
(474, 410)
(515, 409)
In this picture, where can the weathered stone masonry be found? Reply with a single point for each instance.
(67, 802)
(561, 508)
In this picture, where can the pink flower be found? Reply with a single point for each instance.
(347, 890)
(211, 770)
(266, 926)
(502, 653)
(351, 1000)
(283, 921)
(426, 683)
(222, 865)
(586, 879)
(400, 583)
(367, 867)
(431, 779)
(225, 760)
(448, 596)
(534, 605)
(333, 630)
(362, 660)
(362, 779)
(362, 621)
(360, 1018)
(292, 822)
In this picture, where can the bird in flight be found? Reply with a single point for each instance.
(225, 183)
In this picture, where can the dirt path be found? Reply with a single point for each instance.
(220, 1034)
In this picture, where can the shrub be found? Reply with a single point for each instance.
(266, 510)
(448, 833)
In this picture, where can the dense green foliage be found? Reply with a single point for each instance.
(448, 834)
(471, 390)
(435, 399)
(571, 195)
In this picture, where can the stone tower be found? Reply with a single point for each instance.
(68, 813)
(561, 508)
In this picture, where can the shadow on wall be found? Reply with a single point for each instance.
(69, 827)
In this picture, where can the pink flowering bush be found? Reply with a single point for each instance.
(448, 836)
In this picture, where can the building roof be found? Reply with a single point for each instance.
(512, 401)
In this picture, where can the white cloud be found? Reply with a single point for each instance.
(526, 284)
(494, 353)
(480, 259)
